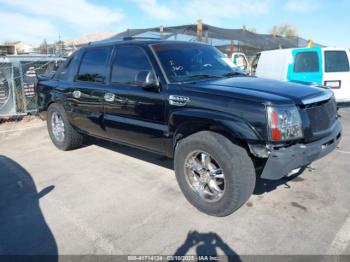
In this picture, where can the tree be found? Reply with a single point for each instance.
(251, 29)
(284, 30)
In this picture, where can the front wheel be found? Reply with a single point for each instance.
(215, 175)
(61, 132)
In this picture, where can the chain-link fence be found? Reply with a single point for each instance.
(17, 82)
(7, 95)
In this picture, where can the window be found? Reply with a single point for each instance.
(73, 66)
(192, 61)
(306, 62)
(240, 61)
(61, 73)
(129, 61)
(93, 67)
(336, 61)
(68, 69)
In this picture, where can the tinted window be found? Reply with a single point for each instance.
(128, 63)
(306, 62)
(61, 73)
(93, 67)
(336, 61)
(68, 69)
(73, 66)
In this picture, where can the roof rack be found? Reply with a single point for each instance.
(127, 38)
(116, 40)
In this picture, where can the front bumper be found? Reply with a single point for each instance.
(283, 160)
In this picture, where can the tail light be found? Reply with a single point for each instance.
(333, 84)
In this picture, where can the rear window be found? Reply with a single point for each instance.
(68, 69)
(93, 67)
(306, 62)
(336, 61)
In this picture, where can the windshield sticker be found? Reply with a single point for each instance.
(174, 67)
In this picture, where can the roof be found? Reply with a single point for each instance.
(308, 49)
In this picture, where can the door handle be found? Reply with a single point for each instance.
(109, 97)
(76, 94)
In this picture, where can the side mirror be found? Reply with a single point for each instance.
(148, 80)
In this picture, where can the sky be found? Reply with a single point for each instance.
(324, 21)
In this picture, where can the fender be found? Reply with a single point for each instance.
(185, 122)
(58, 97)
(46, 96)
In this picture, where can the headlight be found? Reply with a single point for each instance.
(284, 123)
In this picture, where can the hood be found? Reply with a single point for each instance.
(261, 90)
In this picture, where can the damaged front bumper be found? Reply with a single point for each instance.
(282, 161)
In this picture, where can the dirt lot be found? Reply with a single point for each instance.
(111, 199)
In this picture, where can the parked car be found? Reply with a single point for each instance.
(182, 100)
(240, 60)
(313, 66)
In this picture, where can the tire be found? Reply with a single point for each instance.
(71, 138)
(233, 160)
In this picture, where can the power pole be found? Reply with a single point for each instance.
(199, 30)
(232, 48)
(161, 32)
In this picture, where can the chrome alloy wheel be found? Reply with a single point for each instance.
(205, 176)
(57, 125)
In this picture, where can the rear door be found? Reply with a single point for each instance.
(132, 114)
(337, 73)
(306, 66)
(85, 94)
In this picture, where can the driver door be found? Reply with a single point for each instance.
(132, 114)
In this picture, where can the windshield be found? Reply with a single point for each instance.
(190, 62)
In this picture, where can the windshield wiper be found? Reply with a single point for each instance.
(208, 76)
(197, 77)
(203, 76)
(232, 74)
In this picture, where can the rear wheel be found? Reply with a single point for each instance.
(215, 175)
(61, 132)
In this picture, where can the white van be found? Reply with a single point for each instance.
(313, 66)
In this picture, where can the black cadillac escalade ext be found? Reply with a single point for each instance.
(185, 101)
